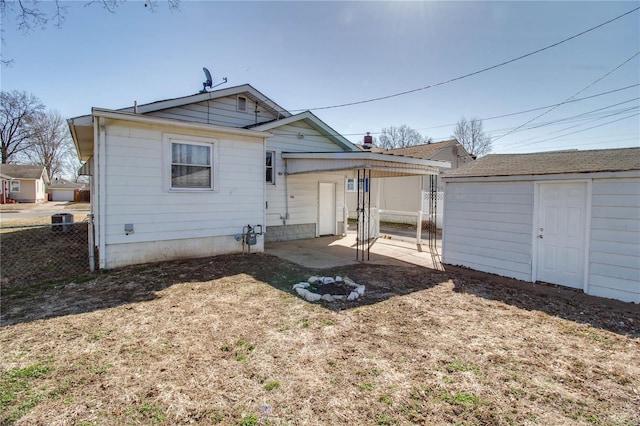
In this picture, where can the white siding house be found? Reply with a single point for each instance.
(23, 183)
(570, 218)
(410, 193)
(182, 177)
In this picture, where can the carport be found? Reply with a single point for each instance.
(363, 167)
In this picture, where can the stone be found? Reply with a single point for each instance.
(328, 280)
(301, 285)
(353, 296)
(312, 297)
(338, 279)
(313, 280)
(328, 298)
(348, 281)
(360, 290)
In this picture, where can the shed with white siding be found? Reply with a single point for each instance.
(567, 217)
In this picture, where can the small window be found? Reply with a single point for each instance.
(242, 103)
(362, 183)
(270, 167)
(15, 186)
(191, 166)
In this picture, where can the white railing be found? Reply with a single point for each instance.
(417, 215)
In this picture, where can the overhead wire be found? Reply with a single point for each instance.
(570, 97)
(589, 115)
(582, 130)
(451, 80)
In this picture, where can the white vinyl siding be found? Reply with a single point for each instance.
(136, 168)
(301, 190)
(488, 227)
(222, 111)
(615, 239)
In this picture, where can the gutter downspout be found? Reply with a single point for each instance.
(286, 195)
(102, 179)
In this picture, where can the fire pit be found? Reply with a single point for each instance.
(329, 289)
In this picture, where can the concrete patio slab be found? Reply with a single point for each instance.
(328, 252)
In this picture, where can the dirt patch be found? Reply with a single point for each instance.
(224, 340)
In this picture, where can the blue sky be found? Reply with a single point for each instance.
(306, 55)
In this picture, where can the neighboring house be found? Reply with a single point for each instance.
(23, 183)
(408, 194)
(183, 177)
(64, 190)
(569, 217)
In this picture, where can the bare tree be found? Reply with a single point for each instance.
(17, 113)
(400, 137)
(50, 145)
(472, 137)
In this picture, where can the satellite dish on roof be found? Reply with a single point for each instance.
(208, 82)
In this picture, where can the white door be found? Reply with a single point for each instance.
(327, 208)
(561, 239)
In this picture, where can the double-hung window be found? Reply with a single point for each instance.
(192, 166)
(15, 186)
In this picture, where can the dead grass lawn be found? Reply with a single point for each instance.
(224, 341)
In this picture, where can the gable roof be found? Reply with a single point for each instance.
(246, 89)
(309, 118)
(546, 163)
(65, 184)
(26, 172)
(425, 150)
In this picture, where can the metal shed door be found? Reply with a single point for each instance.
(562, 213)
(327, 208)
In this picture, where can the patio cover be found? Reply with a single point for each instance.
(379, 164)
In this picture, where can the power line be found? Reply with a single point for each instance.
(611, 114)
(583, 130)
(570, 97)
(589, 115)
(529, 110)
(406, 92)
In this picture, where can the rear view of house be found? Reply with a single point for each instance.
(570, 218)
(186, 177)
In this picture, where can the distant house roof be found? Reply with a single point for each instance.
(425, 151)
(546, 163)
(21, 171)
(64, 184)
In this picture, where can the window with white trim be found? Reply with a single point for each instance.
(362, 183)
(15, 186)
(191, 165)
(270, 167)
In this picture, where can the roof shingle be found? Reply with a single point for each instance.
(21, 171)
(546, 163)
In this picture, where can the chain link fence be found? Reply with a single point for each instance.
(36, 253)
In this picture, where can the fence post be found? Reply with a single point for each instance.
(92, 260)
(419, 228)
(345, 221)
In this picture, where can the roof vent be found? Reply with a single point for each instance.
(368, 141)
